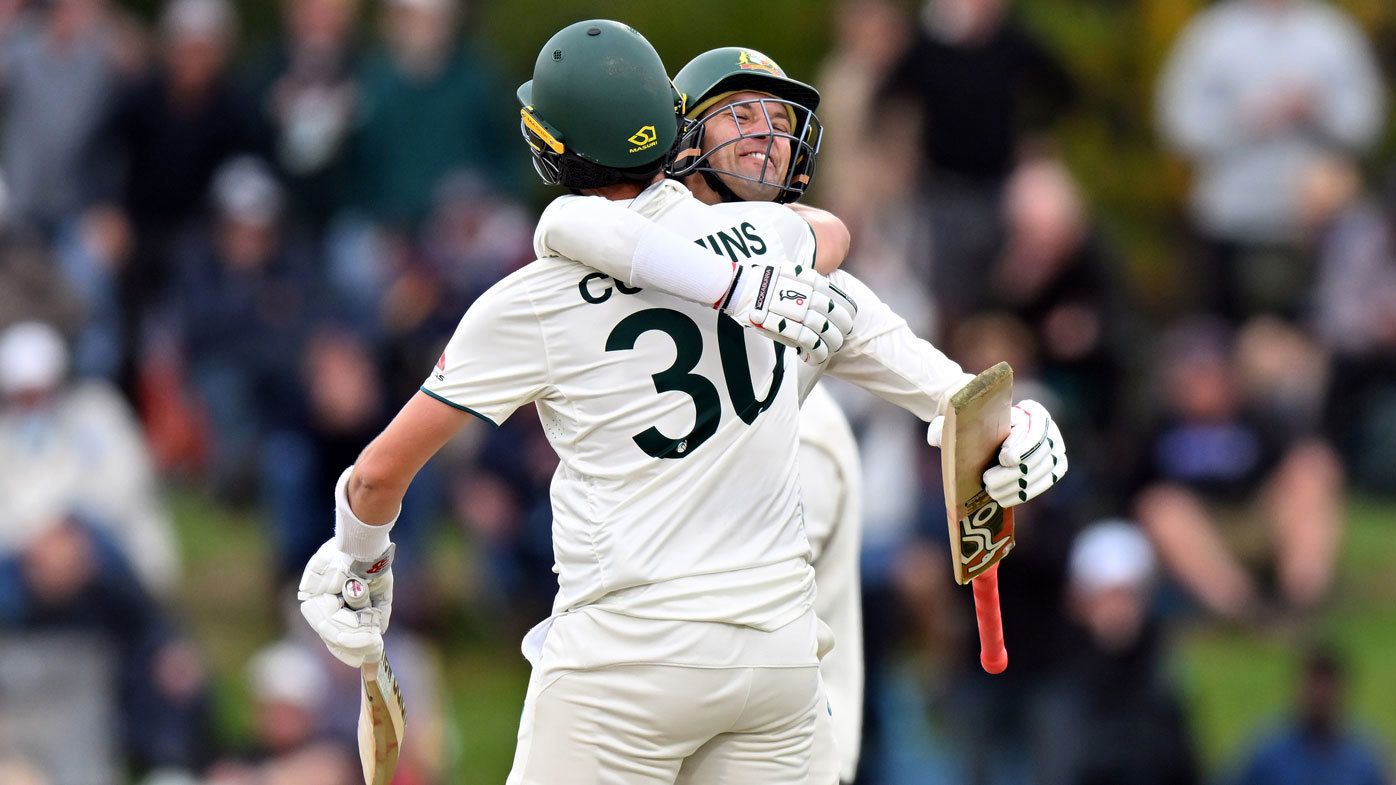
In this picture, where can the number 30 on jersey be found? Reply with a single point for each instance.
(679, 377)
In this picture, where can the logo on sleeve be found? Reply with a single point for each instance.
(441, 368)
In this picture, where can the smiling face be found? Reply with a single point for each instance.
(749, 142)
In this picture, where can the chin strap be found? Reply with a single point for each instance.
(723, 192)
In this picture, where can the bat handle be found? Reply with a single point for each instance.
(992, 654)
(355, 594)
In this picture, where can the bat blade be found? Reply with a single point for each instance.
(976, 423)
(382, 720)
(981, 532)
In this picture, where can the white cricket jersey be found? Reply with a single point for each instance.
(832, 486)
(676, 494)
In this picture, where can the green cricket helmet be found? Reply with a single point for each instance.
(715, 75)
(600, 108)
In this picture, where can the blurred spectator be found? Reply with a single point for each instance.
(1059, 276)
(863, 167)
(341, 417)
(1253, 93)
(31, 288)
(75, 446)
(57, 696)
(475, 235)
(344, 405)
(430, 107)
(289, 687)
(1316, 745)
(247, 287)
(1121, 722)
(1232, 488)
(290, 692)
(67, 575)
(160, 146)
(58, 71)
(307, 90)
(982, 84)
(1355, 317)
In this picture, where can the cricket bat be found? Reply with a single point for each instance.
(981, 532)
(382, 715)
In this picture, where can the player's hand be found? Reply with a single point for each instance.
(352, 636)
(794, 305)
(1031, 460)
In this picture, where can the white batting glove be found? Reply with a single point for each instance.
(1031, 460)
(794, 305)
(354, 635)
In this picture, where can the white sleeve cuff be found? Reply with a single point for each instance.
(362, 541)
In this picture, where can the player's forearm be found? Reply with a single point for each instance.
(374, 499)
(629, 247)
(386, 467)
(884, 357)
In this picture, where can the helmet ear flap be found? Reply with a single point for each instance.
(687, 150)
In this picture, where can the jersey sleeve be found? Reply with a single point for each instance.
(795, 233)
(803, 245)
(497, 359)
(884, 357)
(622, 243)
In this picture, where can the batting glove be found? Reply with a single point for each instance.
(1031, 460)
(794, 305)
(354, 635)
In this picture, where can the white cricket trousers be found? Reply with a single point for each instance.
(669, 725)
(674, 724)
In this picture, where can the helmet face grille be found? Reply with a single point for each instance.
(544, 147)
(804, 140)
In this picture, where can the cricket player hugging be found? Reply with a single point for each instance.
(652, 336)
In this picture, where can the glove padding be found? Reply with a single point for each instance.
(352, 636)
(1031, 460)
(794, 305)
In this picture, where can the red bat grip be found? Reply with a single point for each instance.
(992, 654)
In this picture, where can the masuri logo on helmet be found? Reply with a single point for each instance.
(643, 139)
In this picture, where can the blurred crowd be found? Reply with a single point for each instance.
(225, 262)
